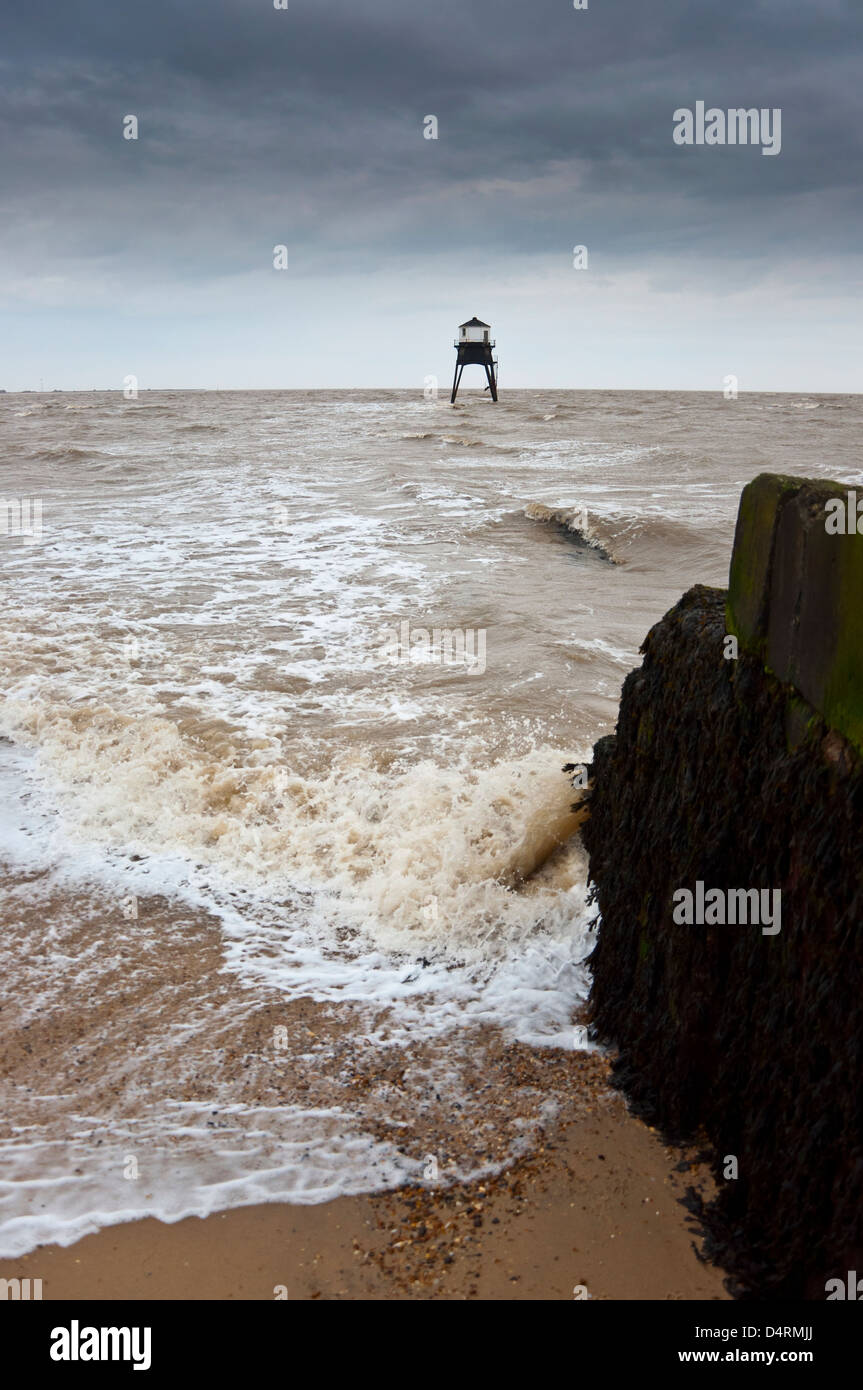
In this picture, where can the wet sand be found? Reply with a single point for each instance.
(592, 1200)
(597, 1205)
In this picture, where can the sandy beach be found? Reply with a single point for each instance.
(593, 1202)
(598, 1207)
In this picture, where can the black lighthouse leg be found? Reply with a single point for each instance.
(456, 381)
(492, 384)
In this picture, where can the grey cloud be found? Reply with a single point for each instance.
(258, 125)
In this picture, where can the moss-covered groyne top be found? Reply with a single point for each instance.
(795, 592)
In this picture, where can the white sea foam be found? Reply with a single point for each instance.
(277, 937)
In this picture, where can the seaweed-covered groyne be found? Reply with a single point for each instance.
(736, 766)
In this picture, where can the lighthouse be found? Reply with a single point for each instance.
(474, 344)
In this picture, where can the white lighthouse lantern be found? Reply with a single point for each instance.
(474, 331)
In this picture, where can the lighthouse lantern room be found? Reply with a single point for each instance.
(474, 344)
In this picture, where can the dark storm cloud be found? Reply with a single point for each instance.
(555, 125)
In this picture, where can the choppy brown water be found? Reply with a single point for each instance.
(231, 798)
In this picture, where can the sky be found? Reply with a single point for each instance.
(305, 127)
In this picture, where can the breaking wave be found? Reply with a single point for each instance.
(577, 525)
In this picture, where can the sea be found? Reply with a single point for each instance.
(292, 897)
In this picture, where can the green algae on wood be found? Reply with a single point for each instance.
(795, 595)
(752, 556)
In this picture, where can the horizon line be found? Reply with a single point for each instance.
(418, 390)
